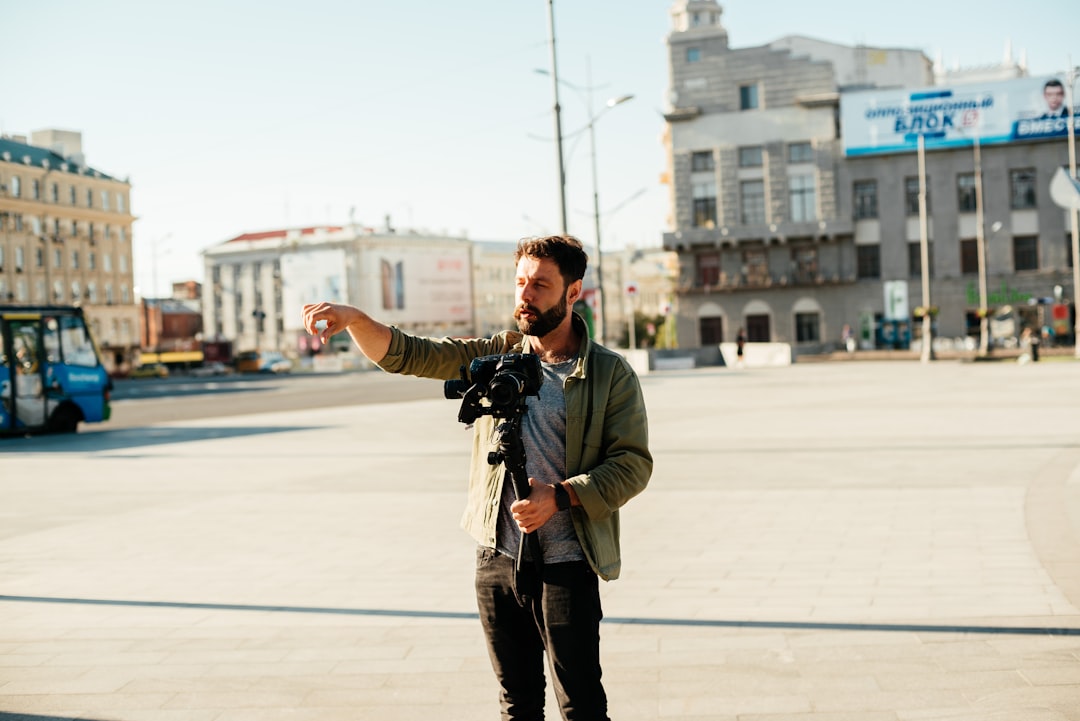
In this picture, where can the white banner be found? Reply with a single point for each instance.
(1007, 111)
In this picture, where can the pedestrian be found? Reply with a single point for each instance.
(848, 338)
(587, 454)
(740, 342)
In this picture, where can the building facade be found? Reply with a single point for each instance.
(257, 283)
(65, 237)
(785, 229)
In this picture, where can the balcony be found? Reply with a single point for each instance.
(761, 280)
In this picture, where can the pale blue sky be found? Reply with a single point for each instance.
(241, 116)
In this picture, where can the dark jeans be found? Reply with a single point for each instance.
(524, 617)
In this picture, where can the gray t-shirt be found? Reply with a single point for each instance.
(543, 435)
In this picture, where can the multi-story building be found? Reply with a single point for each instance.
(65, 237)
(257, 283)
(789, 224)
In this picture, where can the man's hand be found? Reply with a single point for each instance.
(534, 511)
(333, 317)
(327, 319)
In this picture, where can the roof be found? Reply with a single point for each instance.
(13, 151)
(284, 233)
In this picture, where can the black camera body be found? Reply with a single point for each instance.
(504, 381)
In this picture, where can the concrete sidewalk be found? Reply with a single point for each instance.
(824, 542)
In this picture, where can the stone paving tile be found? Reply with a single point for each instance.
(857, 527)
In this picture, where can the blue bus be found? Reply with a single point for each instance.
(51, 375)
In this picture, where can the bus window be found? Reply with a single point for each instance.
(75, 342)
(52, 341)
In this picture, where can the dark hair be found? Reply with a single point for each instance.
(565, 250)
(1053, 83)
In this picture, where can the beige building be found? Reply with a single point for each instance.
(65, 237)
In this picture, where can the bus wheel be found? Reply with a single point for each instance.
(65, 419)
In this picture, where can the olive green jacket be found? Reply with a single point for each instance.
(607, 435)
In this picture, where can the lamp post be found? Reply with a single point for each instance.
(924, 247)
(586, 94)
(980, 248)
(1070, 119)
(558, 118)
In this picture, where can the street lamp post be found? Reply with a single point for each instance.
(1070, 119)
(586, 94)
(558, 118)
(980, 248)
(924, 243)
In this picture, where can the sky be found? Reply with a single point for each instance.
(239, 116)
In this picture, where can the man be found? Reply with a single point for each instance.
(586, 446)
(1054, 94)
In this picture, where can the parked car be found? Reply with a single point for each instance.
(213, 368)
(262, 362)
(150, 370)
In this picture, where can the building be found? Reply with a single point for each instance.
(65, 237)
(257, 283)
(788, 224)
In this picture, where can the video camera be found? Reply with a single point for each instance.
(503, 380)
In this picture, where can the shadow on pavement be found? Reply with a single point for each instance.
(634, 621)
(129, 438)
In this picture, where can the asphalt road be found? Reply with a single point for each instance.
(144, 402)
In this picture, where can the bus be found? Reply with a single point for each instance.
(51, 374)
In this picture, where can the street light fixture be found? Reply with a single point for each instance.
(586, 94)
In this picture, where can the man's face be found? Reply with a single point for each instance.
(1055, 97)
(542, 299)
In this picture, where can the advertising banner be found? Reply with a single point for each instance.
(310, 277)
(418, 284)
(1006, 111)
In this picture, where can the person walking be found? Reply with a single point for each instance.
(740, 343)
(587, 454)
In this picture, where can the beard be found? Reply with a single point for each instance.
(543, 322)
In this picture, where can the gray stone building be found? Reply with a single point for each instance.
(783, 229)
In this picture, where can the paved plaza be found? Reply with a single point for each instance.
(846, 541)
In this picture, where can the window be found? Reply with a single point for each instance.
(711, 329)
(911, 196)
(91, 261)
(755, 268)
(965, 193)
(107, 262)
(752, 202)
(104, 200)
(1026, 253)
(55, 192)
(75, 259)
(71, 195)
(1068, 250)
(807, 327)
(119, 203)
(750, 156)
(969, 256)
(804, 263)
(35, 189)
(802, 195)
(1022, 189)
(693, 55)
(748, 97)
(20, 257)
(915, 258)
(868, 261)
(864, 196)
(89, 198)
(704, 195)
(16, 186)
(800, 153)
(702, 161)
(57, 259)
(708, 269)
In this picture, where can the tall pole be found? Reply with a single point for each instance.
(980, 246)
(558, 118)
(1070, 121)
(924, 246)
(602, 329)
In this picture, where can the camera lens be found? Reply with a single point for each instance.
(505, 389)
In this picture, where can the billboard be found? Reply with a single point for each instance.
(311, 277)
(419, 284)
(1006, 111)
